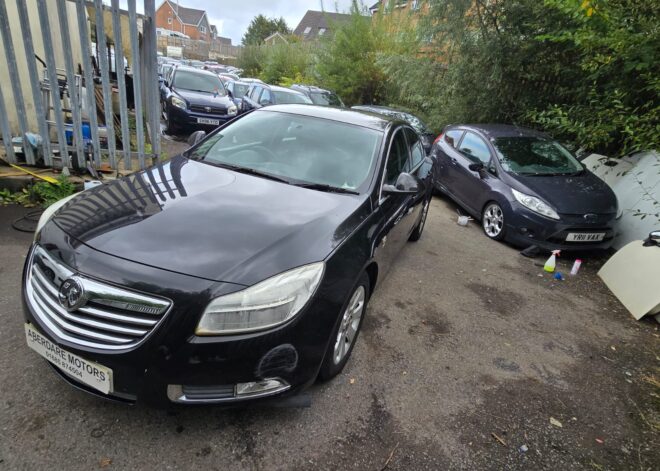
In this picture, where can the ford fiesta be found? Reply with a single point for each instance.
(238, 271)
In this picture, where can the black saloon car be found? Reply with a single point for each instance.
(237, 271)
(525, 187)
(418, 125)
(261, 94)
(195, 99)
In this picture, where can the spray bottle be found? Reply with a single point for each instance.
(551, 263)
(576, 267)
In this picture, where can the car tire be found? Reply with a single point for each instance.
(416, 234)
(340, 346)
(170, 127)
(493, 221)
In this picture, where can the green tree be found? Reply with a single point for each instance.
(261, 27)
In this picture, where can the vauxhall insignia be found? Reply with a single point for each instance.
(71, 294)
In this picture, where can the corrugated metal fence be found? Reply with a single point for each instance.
(100, 105)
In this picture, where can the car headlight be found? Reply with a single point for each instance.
(49, 212)
(232, 109)
(535, 204)
(179, 103)
(264, 305)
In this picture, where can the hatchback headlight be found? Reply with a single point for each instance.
(49, 212)
(535, 204)
(179, 103)
(232, 109)
(264, 305)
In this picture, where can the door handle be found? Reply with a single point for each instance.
(453, 161)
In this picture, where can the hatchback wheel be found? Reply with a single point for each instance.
(492, 221)
(345, 333)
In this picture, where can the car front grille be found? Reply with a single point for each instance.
(208, 109)
(102, 316)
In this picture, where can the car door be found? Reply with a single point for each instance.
(394, 226)
(446, 157)
(472, 186)
(250, 99)
(420, 169)
(266, 98)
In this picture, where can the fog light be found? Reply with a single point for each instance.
(258, 388)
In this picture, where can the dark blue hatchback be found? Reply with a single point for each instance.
(525, 187)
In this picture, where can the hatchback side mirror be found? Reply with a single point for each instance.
(476, 167)
(653, 239)
(406, 184)
(166, 83)
(196, 137)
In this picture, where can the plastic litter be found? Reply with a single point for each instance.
(91, 184)
(523, 449)
(559, 276)
(576, 267)
(551, 263)
(463, 220)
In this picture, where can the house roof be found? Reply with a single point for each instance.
(317, 20)
(276, 34)
(214, 30)
(189, 16)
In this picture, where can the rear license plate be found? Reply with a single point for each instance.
(585, 236)
(213, 122)
(87, 372)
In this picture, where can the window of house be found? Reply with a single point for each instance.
(169, 21)
(307, 30)
(202, 29)
(415, 5)
(321, 31)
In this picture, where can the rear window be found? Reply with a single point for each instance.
(325, 99)
(287, 97)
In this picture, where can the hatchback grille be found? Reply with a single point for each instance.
(208, 109)
(103, 316)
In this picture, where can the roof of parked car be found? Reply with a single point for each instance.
(196, 70)
(357, 118)
(501, 130)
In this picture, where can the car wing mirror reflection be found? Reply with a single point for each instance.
(653, 239)
(405, 184)
(196, 137)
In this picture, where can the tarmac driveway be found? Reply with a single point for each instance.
(470, 358)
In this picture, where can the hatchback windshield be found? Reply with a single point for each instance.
(282, 98)
(198, 82)
(535, 156)
(325, 99)
(298, 149)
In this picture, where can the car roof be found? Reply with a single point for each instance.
(344, 115)
(501, 130)
(277, 88)
(311, 88)
(196, 70)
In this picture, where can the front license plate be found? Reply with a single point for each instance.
(214, 122)
(87, 372)
(585, 236)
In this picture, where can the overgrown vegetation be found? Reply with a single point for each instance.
(39, 194)
(583, 70)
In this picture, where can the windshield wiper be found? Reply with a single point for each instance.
(327, 188)
(249, 171)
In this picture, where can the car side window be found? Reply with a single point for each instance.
(265, 97)
(398, 160)
(255, 93)
(416, 150)
(475, 148)
(453, 137)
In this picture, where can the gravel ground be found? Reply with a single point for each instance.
(468, 355)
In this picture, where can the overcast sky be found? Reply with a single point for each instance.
(233, 17)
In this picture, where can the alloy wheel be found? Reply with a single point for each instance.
(493, 220)
(350, 323)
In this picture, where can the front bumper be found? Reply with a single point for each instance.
(173, 359)
(188, 119)
(526, 228)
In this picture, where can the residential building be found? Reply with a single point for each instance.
(275, 38)
(396, 8)
(315, 24)
(192, 22)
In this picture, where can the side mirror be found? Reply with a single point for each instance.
(653, 239)
(450, 140)
(166, 83)
(196, 137)
(406, 184)
(476, 167)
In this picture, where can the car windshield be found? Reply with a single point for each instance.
(299, 149)
(240, 90)
(530, 155)
(325, 99)
(287, 97)
(198, 82)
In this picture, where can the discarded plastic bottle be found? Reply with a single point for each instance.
(576, 267)
(551, 263)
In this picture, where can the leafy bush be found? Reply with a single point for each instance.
(48, 193)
